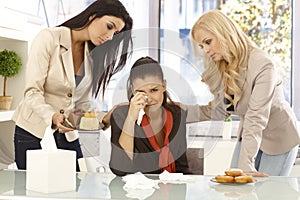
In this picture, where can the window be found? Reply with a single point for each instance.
(171, 43)
(267, 22)
(296, 59)
(176, 53)
(144, 15)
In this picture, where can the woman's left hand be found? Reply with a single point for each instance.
(106, 118)
(257, 174)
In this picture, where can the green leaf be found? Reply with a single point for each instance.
(228, 119)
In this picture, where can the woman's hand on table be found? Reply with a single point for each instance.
(256, 174)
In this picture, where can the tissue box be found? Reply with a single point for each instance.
(51, 172)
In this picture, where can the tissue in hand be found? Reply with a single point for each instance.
(140, 117)
(47, 166)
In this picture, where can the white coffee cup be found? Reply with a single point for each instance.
(72, 135)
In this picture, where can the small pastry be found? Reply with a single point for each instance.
(234, 172)
(224, 179)
(244, 179)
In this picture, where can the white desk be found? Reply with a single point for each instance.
(6, 115)
(96, 147)
(108, 186)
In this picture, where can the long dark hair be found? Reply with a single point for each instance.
(143, 67)
(105, 55)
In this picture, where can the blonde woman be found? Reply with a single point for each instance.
(244, 82)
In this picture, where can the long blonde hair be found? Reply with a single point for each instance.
(223, 76)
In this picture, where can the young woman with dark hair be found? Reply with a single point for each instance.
(158, 143)
(67, 66)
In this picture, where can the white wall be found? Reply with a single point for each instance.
(16, 31)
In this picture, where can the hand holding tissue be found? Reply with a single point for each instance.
(47, 166)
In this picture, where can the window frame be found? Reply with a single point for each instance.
(295, 82)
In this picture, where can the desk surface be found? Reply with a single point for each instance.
(6, 115)
(108, 186)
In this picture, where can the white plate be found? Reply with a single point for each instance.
(234, 183)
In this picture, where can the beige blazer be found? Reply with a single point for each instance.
(50, 81)
(267, 121)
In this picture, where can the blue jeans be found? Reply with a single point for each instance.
(26, 141)
(273, 165)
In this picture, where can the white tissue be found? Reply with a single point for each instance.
(166, 177)
(139, 181)
(48, 142)
(139, 186)
(140, 117)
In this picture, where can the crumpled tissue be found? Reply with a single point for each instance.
(167, 177)
(139, 186)
(47, 166)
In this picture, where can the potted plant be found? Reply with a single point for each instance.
(10, 65)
